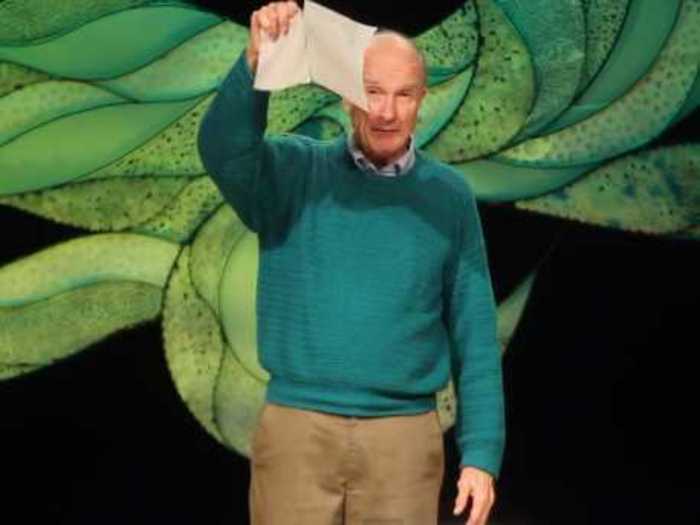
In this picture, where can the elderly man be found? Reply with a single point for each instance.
(373, 287)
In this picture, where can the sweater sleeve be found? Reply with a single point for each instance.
(262, 178)
(475, 354)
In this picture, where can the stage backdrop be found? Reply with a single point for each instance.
(128, 359)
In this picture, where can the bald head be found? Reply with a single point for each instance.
(389, 41)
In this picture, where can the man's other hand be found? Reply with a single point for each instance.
(477, 485)
(273, 18)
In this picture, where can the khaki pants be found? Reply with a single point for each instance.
(312, 468)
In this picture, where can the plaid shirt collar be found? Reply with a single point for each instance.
(396, 168)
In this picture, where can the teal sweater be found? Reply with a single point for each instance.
(371, 289)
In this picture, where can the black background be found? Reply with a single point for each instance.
(601, 383)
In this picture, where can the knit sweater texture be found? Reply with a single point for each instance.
(372, 291)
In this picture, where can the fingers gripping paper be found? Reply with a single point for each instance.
(321, 47)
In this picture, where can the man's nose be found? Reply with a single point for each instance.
(387, 111)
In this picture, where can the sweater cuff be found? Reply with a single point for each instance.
(486, 460)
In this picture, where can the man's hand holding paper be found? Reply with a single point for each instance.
(317, 45)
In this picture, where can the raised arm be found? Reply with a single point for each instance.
(262, 178)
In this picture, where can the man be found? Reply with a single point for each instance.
(373, 286)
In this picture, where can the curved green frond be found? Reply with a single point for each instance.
(217, 390)
(644, 35)
(180, 219)
(500, 96)
(238, 399)
(494, 181)
(83, 262)
(172, 151)
(237, 297)
(655, 192)
(14, 77)
(22, 21)
(78, 144)
(194, 349)
(112, 45)
(451, 45)
(43, 102)
(101, 205)
(510, 310)
(38, 334)
(636, 118)
(440, 104)
(554, 33)
(210, 249)
(192, 69)
(604, 21)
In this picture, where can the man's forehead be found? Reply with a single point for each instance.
(402, 74)
(413, 82)
(392, 55)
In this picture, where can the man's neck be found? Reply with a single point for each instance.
(396, 165)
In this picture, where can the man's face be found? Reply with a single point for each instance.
(393, 79)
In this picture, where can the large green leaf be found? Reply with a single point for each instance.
(636, 118)
(43, 102)
(494, 181)
(500, 96)
(37, 334)
(22, 21)
(210, 250)
(451, 45)
(113, 45)
(440, 104)
(194, 68)
(78, 144)
(655, 192)
(237, 297)
(238, 399)
(604, 20)
(172, 151)
(83, 262)
(181, 218)
(101, 205)
(555, 36)
(510, 310)
(218, 391)
(14, 77)
(644, 34)
(194, 349)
